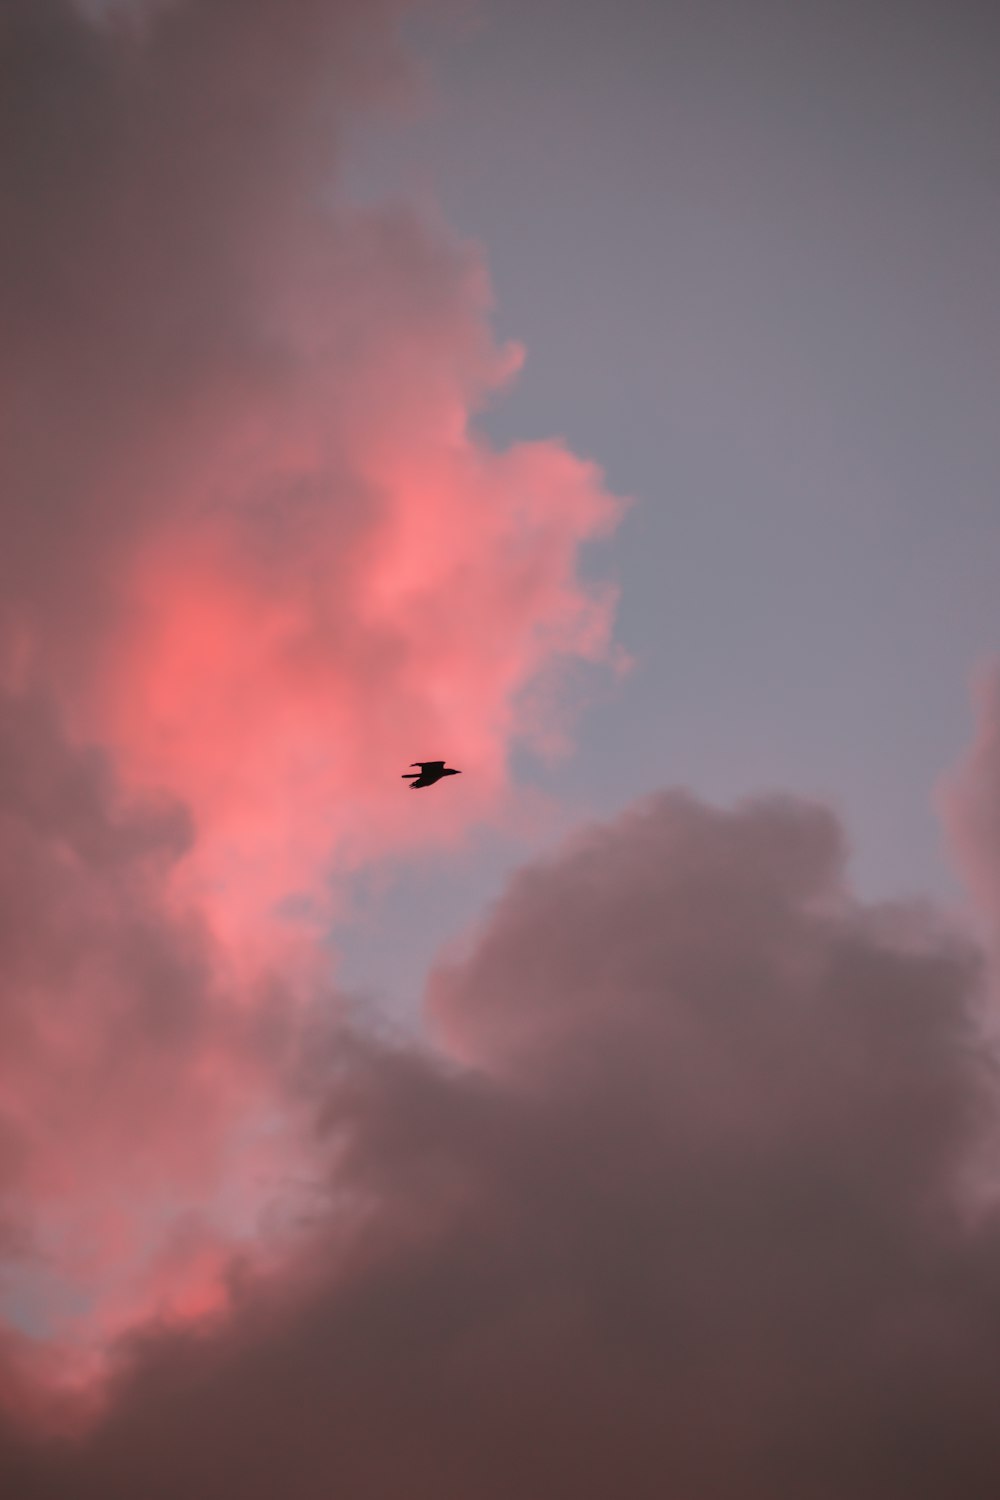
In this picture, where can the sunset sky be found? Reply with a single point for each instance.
(603, 397)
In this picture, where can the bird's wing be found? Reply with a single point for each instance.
(429, 765)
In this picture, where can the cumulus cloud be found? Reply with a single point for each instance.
(127, 1061)
(256, 557)
(969, 800)
(688, 1219)
(252, 538)
(687, 1191)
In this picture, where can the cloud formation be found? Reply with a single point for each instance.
(691, 1218)
(129, 1065)
(244, 410)
(688, 1191)
(256, 559)
(969, 801)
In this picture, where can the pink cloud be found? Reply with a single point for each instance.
(969, 801)
(675, 1200)
(303, 558)
(256, 560)
(128, 1062)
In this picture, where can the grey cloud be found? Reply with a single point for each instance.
(693, 1222)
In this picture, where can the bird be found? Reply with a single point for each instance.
(430, 771)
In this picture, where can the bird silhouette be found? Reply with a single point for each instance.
(430, 771)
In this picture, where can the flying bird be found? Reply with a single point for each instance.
(430, 771)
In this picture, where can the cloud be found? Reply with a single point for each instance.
(257, 558)
(691, 1217)
(285, 557)
(687, 1192)
(969, 801)
(128, 1064)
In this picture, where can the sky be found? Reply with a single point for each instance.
(601, 397)
(751, 252)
